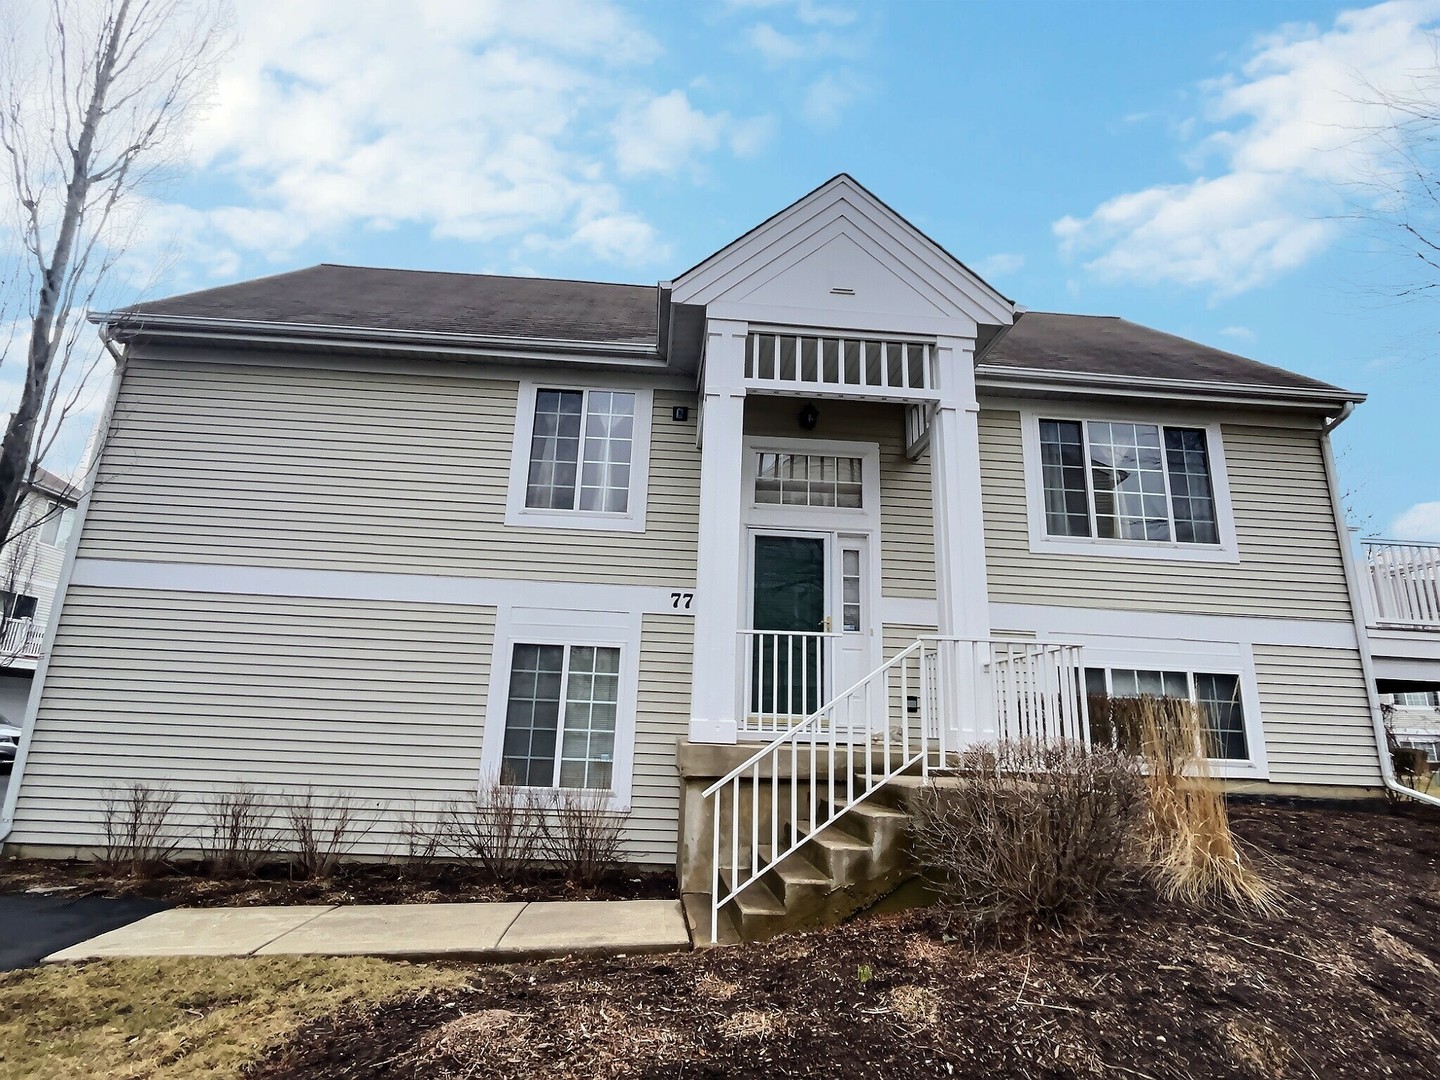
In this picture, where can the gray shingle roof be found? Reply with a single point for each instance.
(1106, 345)
(429, 302)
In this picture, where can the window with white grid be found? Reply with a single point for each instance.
(561, 715)
(581, 449)
(1218, 696)
(1114, 480)
(809, 480)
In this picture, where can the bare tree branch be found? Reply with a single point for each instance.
(91, 101)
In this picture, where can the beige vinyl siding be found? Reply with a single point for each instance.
(1290, 564)
(662, 717)
(907, 531)
(196, 691)
(1316, 713)
(357, 470)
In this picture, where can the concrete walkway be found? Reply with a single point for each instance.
(401, 931)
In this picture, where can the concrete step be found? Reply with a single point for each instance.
(795, 880)
(697, 917)
(875, 823)
(835, 853)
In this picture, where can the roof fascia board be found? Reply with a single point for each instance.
(1031, 380)
(722, 269)
(171, 326)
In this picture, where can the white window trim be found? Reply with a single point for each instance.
(1236, 660)
(633, 520)
(554, 626)
(1227, 551)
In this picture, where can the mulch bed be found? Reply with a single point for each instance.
(352, 883)
(1345, 985)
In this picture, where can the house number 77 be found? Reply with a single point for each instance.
(680, 601)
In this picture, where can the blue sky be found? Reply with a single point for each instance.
(1188, 166)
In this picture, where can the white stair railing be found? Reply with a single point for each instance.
(1404, 583)
(907, 714)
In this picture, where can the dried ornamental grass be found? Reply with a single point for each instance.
(1190, 850)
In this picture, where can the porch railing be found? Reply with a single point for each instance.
(910, 714)
(1403, 583)
(784, 678)
(21, 639)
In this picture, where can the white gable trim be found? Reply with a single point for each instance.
(843, 207)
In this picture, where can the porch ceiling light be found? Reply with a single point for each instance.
(809, 416)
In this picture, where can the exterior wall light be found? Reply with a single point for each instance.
(809, 416)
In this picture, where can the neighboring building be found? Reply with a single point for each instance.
(29, 572)
(394, 532)
(1400, 596)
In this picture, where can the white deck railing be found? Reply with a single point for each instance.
(829, 366)
(909, 714)
(1403, 583)
(785, 677)
(21, 639)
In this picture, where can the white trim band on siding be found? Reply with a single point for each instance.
(398, 588)
(1067, 622)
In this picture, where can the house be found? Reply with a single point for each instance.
(739, 551)
(30, 562)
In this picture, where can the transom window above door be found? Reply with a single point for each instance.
(809, 480)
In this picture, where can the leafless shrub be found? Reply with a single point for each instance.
(236, 839)
(580, 834)
(323, 830)
(138, 839)
(422, 831)
(1029, 833)
(498, 830)
(1190, 849)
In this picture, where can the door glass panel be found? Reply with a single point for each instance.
(789, 597)
(850, 590)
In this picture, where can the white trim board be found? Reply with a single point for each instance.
(1054, 622)
(398, 588)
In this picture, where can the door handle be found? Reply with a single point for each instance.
(828, 623)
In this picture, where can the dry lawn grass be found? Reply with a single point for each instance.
(163, 1018)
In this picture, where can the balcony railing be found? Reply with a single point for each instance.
(1403, 582)
(20, 639)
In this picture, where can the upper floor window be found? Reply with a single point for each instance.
(1123, 481)
(55, 528)
(580, 450)
(581, 454)
(1127, 487)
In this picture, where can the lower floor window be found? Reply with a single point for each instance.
(560, 716)
(1218, 696)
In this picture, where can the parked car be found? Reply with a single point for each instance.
(9, 744)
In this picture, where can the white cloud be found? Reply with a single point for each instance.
(1239, 333)
(809, 12)
(1000, 264)
(481, 121)
(666, 133)
(829, 96)
(1421, 522)
(1284, 135)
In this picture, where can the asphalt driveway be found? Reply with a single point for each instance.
(33, 926)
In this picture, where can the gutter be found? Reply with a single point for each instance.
(62, 586)
(129, 326)
(1362, 633)
(994, 377)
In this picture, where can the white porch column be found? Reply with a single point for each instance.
(961, 588)
(720, 574)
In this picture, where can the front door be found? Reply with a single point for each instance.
(788, 654)
(811, 635)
